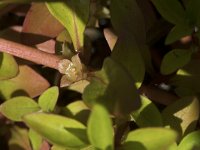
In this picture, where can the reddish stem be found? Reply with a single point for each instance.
(29, 53)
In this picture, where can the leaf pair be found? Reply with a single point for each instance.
(17, 107)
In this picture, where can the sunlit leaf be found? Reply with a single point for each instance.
(16, 107)
(19, 139)
(58, 130)
(48, 99)
(178, 32)
(100, 131)
(35, 139)
(27, 82)
(150, 139)
(114, 88)
(73, 15)
(8, 66)
(77, 110)
(174, 60)
(190, 142)
(182, 115)
(171, 10)
(147, 115)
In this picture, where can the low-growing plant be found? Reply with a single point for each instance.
(99, 74)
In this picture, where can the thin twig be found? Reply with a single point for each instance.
(29, 53)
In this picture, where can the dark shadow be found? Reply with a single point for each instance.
(83, 116)
(19, 93)
(15, 147)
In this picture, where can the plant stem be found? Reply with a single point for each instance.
(29, 53)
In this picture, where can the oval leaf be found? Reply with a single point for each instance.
(17, 107)
(171, 10)
(100, 131)
(48, 99)
(174, 60)
(35, 139)
(114, 88)
(73, 14)
(142, 139)
(190, 142)
(182, 115)
(147, 115)
(8, 66)
(59, 130)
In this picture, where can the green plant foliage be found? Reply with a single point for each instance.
(74, 16)
(190, 142)
(59, 130)
(171, 10)
(100, 121)
(77, 110)
(35, 139)
(182, 115)
(177, 32)
(48, 99)
(114, 88)
(147, 115)
(174, 60)
(8, 66)
(19, 139)
(150, 139)
(17, 107)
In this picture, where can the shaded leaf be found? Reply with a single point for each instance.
(114, 88)
(19, 139)
(16, 107)
(178, 32)
(48, 99)
(128, 25)
(193, 11)
(142, 139)
(182, 115)
(147, 115)
(190, 142)
(127, 53)
(59, 130)
(73, 15)
(8, 66)
(174, 60)
(100, 131)
(35, 139)
(26, 82)
(79, 86)
(171, 10)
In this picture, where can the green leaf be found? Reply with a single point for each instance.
(127, 53)
(174, 60)
(77, 110)
(17, 107)
(190, 142)
(100, 131)
(178, 32)
(182, 115)
(8, 66)
(114, 88)
(35, 139)
(18, 139)
(147, 115)
(59, 130)
(171, 10)
(48, 99)
(73, 15)
(193, 12)
(150, 139)
(128, 25)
